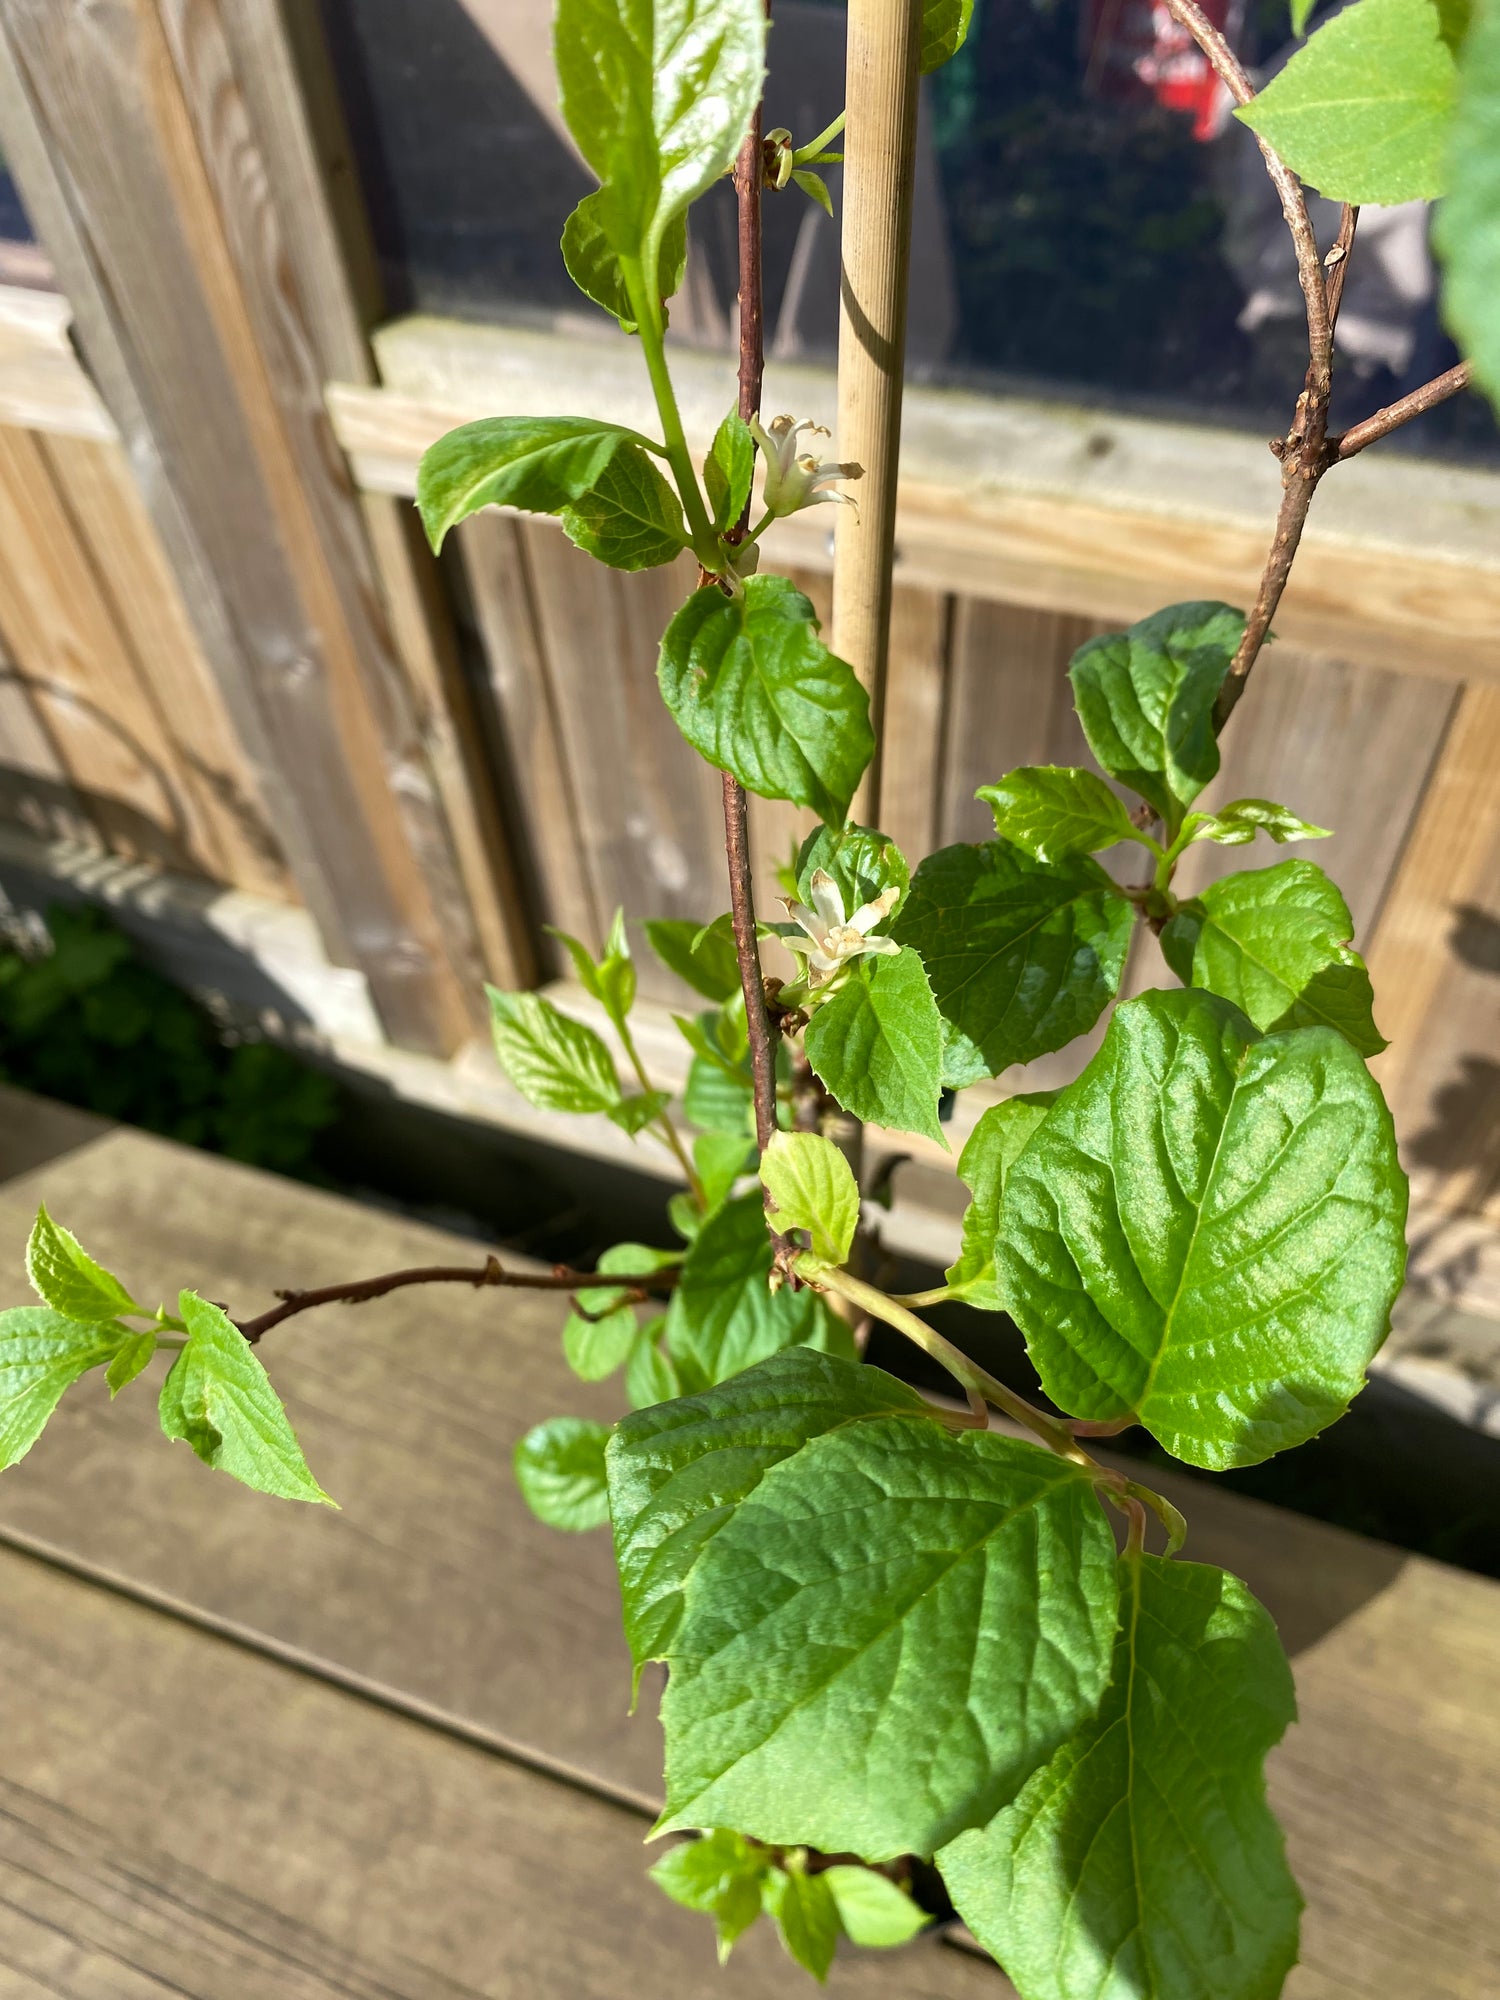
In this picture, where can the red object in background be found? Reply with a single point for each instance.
(1136, 50)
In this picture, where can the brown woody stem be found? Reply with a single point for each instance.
(1394, 415)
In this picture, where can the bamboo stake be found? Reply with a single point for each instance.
(880, 145)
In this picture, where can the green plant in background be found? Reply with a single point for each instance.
(896, 1635)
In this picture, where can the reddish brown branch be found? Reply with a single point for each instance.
(360, 1290)
(1394, 415)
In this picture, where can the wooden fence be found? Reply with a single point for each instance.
(227, 657)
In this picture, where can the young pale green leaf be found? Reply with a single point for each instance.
(992, 1150)
(1145, 698)
(676, 1473)
(1362, 113)
(556, 1063)
(1054, 810)
(130, 1358)
(219, 1399)
(629, 518)
(595, 1348)
(729, 470)
(1301, 13)
(875, 1912)
(878, 1045)
(634, 1114)
(721, 1157)
(658, 95)
(1275, 942)
(812, 1188)
(593, 263)
(541, 464)
(724, 1316)
(886, 1638)
(650, 1376)
(722, 1875)
(703, 955)
(1208, 1231)
(1144, 1860)
(861, 863)
(42, 1353)
(755, 691)
(1235, 824)
(1466, 229)
(806, 1916)
(815, 188)
(560, 1471)
(1022, 954)
(945, 28)
(64, 1276)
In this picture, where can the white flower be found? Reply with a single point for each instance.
(797, 479)
(832, 942)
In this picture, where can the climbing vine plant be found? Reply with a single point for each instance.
(895, 1633)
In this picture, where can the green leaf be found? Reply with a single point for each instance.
(729, 470)
(64, 1276)
(595, 1348)
(556, 1063)
(630, 517)
(42, 1353)
(1144, 1859)
(1022, 955)
(719, 1100)
(634, 1114)
(861, 862)
(1301, 13)
(676, 1473)
(593, 263)
(878, 1045)
(1363, 111)
(886, 1638)
(815, 187)
(1145, 698)
(721, 1874)
(1208, 1231)
(945, 28)
(658, 95)
(1235, 824)
(1054, 810)
(703, 955)
(755, 691)
(806, 1916)
(219, 1399)
(992, 1150)
(560, 1471)
(1275, 942)
(724, 1317)
(541, 464)
(812, 1187)
(130, 1358)
(1466, 229)
(650, 1376)
(721, 1157)
(873, 1910)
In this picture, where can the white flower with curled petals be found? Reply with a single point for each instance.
(795, 478)
(831, 941)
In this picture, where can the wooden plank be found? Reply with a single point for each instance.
(1388, 1785)
(192, 322)
(35, 790)
(298, 1843)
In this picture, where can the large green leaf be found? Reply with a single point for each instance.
(593, 263)
(1144, 1860)
(1054, 810)
(878, 1045)
(724, 1315)
(992, 1150)
(1145, 698)
(1022, 954)
(756, 692)
(556, 1063)
(541, 464)
(1466, 229)
(886, 1638)
(1208, 1231)
(677, 1472)
(42, 1353)
(1275, 942)
(64, 1276)
(219, 1399)
(1362, 112)
(630, 517)
(658, 95)
(701, 954)
(560, 1470)
(945, 28)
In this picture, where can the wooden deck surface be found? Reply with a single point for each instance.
(259, 1750)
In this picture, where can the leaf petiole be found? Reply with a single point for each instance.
(815, 148)
(647, 307)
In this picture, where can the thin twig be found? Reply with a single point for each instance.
(360, 1290)
(1391, 418)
